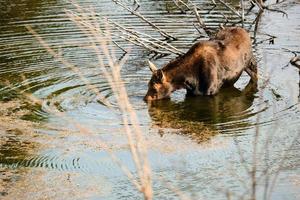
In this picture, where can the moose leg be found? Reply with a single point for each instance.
(190, 89)
(213, 89)
(250, 89)
(251, 69)
(212, 83)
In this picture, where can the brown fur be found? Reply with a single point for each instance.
(207, 66)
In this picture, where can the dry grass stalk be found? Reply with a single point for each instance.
(100, 41)
(134, 133)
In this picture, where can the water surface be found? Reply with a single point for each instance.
(195, 144)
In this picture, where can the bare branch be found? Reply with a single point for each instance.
(162, 32)
(230, 8)
(201, 23)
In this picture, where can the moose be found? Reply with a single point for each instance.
(206, 67)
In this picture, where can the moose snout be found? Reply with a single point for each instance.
(148, 98)
(150, 95)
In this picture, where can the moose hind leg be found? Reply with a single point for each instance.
(251, 69)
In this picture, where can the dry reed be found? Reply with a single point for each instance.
(100, 40)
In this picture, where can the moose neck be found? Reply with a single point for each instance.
(178, 71)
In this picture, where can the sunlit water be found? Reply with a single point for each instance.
(194, 143)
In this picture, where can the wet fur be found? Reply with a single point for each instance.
(207, 66)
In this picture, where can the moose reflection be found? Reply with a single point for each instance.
(202, 117)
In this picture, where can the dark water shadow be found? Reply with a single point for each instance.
(202, 117)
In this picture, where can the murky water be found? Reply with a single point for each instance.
(194, 143)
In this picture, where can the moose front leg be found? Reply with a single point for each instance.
(212, 83)
(190, 88)
(212, 89)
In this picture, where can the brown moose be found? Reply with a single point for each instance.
(206, 67)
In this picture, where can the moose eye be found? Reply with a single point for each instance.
(157, 86)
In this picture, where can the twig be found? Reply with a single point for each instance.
(230, 8)
(294, 61)
(179, 7)
(119, 46)
(257, 22)
(226, 19)
(200, 33)
(243, 12)
(251, 7)
(262, 6)
(186, 5)
(276, 10)
(201, 23)
(136, 2)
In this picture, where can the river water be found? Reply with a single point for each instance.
(202, 147)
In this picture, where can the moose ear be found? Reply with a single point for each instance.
(160, 75)
(221, 44)
(152, 67)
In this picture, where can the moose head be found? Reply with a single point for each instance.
(158, 87)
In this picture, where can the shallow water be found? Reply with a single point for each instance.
(194, 143)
